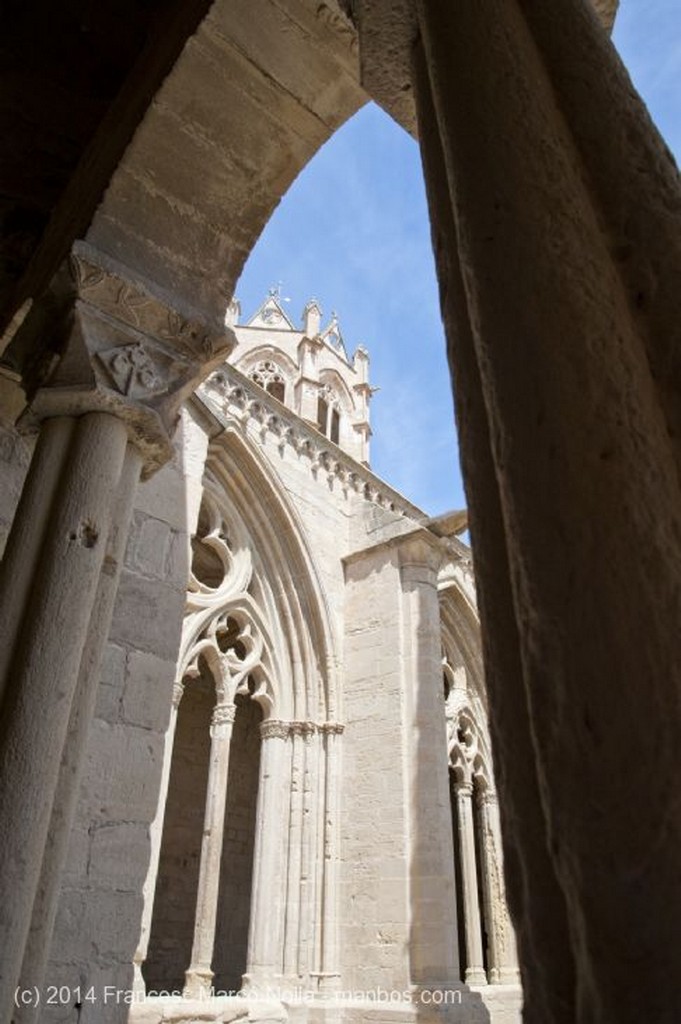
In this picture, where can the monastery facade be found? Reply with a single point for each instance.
(327, 832)
(146, 148)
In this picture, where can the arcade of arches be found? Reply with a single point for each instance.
(257, 781)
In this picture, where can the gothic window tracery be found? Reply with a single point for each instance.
(231, 749)
(225, 623)
(223, 695)
(211, 552)
(270, 377)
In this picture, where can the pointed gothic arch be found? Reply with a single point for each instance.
(251, 127)
(333, 380)
(537, 49)
(267, 366)
(256, 624)
(298, 601)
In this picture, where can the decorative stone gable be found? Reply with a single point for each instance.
(271, 314)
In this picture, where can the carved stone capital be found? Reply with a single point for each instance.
(305, 729)
(223, 714)
(125, 352)
(178, 691)
(332, 728)
(274, 729)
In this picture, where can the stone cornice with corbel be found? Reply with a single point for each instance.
(125, 352)
(232, 398)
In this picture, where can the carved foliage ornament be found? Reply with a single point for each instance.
(224, 714)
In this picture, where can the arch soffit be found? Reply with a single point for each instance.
(233, 124)
(288, 570)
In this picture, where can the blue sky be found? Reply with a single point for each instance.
(353, 232)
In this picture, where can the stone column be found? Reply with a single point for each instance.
(475, 970)
(502, 966)
(199, 975)
(556, 215)
(18, 565)
(433, 937)
(329, 976)
(294, 838)
(269, 883)
(82, 710)
(310, 868)
(536, 900)
(113, 385)
(44, 671)
(155, 840)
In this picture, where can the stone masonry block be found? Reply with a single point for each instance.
(148, 615)
(112, 679)
(122, 774)
(148, 691)
(148, 546)
(97, 925)
(78, 856)
(178, 561)
(119, 855)
(163, 496)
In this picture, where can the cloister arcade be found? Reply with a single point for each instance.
(169, 136)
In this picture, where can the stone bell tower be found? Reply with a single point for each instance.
(308, 369)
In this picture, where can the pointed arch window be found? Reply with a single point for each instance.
(335, 426)
(322, 414)
(270, 377)
(234, 758)
(204, 880)
(328, 414)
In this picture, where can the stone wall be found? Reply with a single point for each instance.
(374, 873)
(337, 513)
(399, 927)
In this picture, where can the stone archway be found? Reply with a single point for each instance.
(522, 232)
